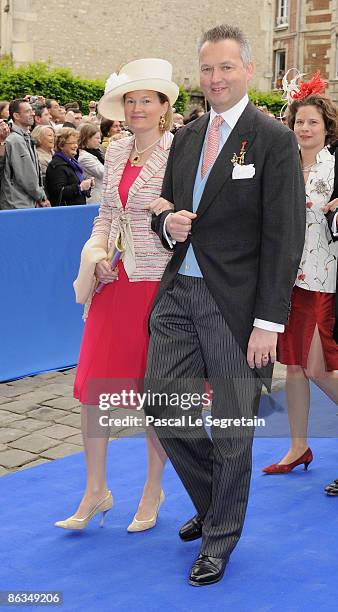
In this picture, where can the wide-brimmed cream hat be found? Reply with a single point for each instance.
(151, 73)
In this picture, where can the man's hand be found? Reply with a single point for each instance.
(104, 273)
(333, 205)
(179, 224)
(69, 117)
(4, 132)
(262, 347)
(156, 207)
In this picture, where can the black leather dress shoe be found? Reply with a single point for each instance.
(332, 488)
(207, 570)
(192, 529)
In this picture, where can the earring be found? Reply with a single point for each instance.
(162, 123)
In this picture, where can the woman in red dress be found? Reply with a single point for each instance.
(115, 341)
(307, 346)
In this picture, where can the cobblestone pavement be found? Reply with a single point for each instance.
(40, 419)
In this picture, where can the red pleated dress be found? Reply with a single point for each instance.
(115, 339)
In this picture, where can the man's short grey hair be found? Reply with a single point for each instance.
(225, 32)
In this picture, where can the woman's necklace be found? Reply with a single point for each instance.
(136, 159)
(307, 168)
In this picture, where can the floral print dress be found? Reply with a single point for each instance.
(318, 265)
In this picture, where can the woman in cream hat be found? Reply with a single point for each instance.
(115, 340)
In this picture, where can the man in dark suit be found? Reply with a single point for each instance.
(237, 231)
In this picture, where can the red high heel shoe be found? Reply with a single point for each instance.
(276, 468)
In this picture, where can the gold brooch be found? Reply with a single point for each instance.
(239, 159)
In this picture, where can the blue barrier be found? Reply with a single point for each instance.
(40, 324)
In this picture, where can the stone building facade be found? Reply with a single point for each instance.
(96, 38)
(305, 36)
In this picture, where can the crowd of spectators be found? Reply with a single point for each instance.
(53, 155)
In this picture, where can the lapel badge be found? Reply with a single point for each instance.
(239, 159)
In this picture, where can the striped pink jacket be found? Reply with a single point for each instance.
(151, 257)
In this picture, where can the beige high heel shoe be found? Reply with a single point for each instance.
(137, 525)
(103, 506)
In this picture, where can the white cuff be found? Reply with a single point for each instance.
(269, 326)
(334, 225)
(170, 241)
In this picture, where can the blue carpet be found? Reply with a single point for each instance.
(286, 559)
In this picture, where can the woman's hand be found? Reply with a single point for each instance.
(117, 136)
(158, 206)
(104, 273)
(86, 184)
(333, 205)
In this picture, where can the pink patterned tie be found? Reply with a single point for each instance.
(211, 146)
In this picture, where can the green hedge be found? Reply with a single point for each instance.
(59, 83)
(271, 99)
(41, 79)
(182, 101)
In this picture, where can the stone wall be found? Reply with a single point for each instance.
(96, 38)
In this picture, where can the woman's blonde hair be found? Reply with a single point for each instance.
(63, 135)
(38, 133)
(168, 117)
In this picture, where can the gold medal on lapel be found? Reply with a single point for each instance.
(239, 159)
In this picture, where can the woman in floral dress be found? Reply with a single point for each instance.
(307, 346)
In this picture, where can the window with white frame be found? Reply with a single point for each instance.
(282, 17)
(280, 62)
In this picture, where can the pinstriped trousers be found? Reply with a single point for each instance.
(191, 341)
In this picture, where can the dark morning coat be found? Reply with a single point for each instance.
(249, 234)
